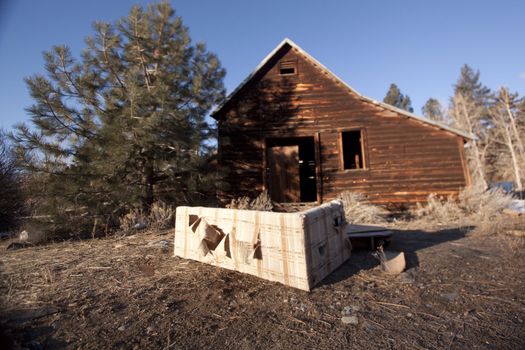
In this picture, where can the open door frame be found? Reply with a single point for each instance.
(318, 167)
(318, 173)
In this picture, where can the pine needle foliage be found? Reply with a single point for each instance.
(395, 98)
(125, 124)
(11, 198)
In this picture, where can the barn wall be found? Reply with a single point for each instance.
(406, 159)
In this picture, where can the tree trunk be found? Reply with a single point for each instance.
(515, 162)
(513, 124)
(511, 135)
(479, 164)
(477, 154)
(148, 182)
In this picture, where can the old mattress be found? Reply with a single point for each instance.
(296, 249)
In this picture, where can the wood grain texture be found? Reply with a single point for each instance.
(405, 159)
(284, 174)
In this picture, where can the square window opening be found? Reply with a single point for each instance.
(352, 149)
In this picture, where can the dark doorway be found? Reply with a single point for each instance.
(291, 169)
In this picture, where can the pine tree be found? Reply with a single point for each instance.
(124, 125)
(470, 86)
(433, 110)
(395, 98)
(11, 203)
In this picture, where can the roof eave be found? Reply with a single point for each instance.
(252, 74)
(287, 41)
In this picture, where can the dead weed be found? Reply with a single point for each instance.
(359, 211)
(262, 202)
(473, 207)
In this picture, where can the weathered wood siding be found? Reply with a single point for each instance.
(406, 159)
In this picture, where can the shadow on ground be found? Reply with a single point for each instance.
(19, 329)
(408, 241)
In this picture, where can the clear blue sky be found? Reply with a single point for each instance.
(418, 44)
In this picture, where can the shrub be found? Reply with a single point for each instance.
(486, 204)
(438, 210)
(262, 202)
(239, 203)
(135, 220)
(359, 211)
(473, 206)
(161, 216)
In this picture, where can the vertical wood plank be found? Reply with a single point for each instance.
(284, 174)
(265, 166)
(464, 164)
(364, 154)
(340, 150)
(318, 167)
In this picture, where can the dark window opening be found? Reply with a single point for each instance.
(286, 71)
(352, 149)
(288, 68)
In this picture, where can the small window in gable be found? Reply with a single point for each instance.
(352, 150)
(288, 68)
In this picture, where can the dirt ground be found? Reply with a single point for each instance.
(461, 290)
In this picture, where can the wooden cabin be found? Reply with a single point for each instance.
(295, 129)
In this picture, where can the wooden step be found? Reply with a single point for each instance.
(368, 232)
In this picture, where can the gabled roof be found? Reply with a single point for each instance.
(289, 42)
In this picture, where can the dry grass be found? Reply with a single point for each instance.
(161, 216)
(133, 220)
(129, 292)
(359, 211)
(239, 203)
(263, 202)
(473, 207)
(514, 240)
(438, 210)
